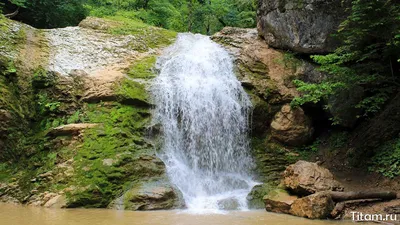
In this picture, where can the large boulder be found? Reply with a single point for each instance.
(279, 201)
(316, 206)
(300, 25)
(291, 126)
(152, 195)
(304, 178)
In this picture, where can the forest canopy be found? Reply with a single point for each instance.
(198, 16)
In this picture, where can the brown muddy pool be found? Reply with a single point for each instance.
(25, 215)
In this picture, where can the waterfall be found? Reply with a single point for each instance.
(204, 113)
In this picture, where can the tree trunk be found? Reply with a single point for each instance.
(346, 196)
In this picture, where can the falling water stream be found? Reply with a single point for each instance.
(204, 113)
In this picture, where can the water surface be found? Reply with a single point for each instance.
(25, 215)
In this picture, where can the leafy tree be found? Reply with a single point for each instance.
(198, 16)
(368, 57)
(50, 13)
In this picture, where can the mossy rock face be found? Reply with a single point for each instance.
(132, 93)
(143, 68)
(145, 36)
(256, 195)
(271, 159)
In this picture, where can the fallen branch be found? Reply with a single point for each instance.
(11, 15)
(347, 196)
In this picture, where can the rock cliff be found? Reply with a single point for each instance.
(75, 115)
(303, 26)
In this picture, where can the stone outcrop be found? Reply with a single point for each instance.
(291, 126)
(304, 178)
(315, 206)
(265, 71)
(279, 201)
(303, 26)
(80, 82)
(267, 75)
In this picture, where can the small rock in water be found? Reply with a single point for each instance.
(228, 204)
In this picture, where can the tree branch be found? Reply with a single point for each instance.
(11, 15)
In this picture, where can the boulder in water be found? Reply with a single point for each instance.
(279, 201)
(305, 178)
(316, 206)
(255, 197)
(159, 194)
(228, 204)
(291, 126)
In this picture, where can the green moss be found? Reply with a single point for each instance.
(143, 68)
(145, 36)
(271, 159)
(255, 197)
(43, 79)
(132, 93)
(110, 155)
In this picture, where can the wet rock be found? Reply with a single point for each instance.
(228, 204)
(279, 201)
(58, 201)
(305, 178)
(291, 126)
(315, 206)
(97, 23)
(153, 195)
(256, 195)
(265, 71)
(108, 162)
(301, 26)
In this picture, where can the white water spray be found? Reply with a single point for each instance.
(204, 113)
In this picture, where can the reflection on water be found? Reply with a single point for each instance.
(24, 215)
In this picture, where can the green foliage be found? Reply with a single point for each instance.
(75, 118)
(338, 139)
(47, 105)
(315, 92)
(43, 79)
(368, 57)
(306, 151)
(199, 16)
(387, 160)
(51, 13)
